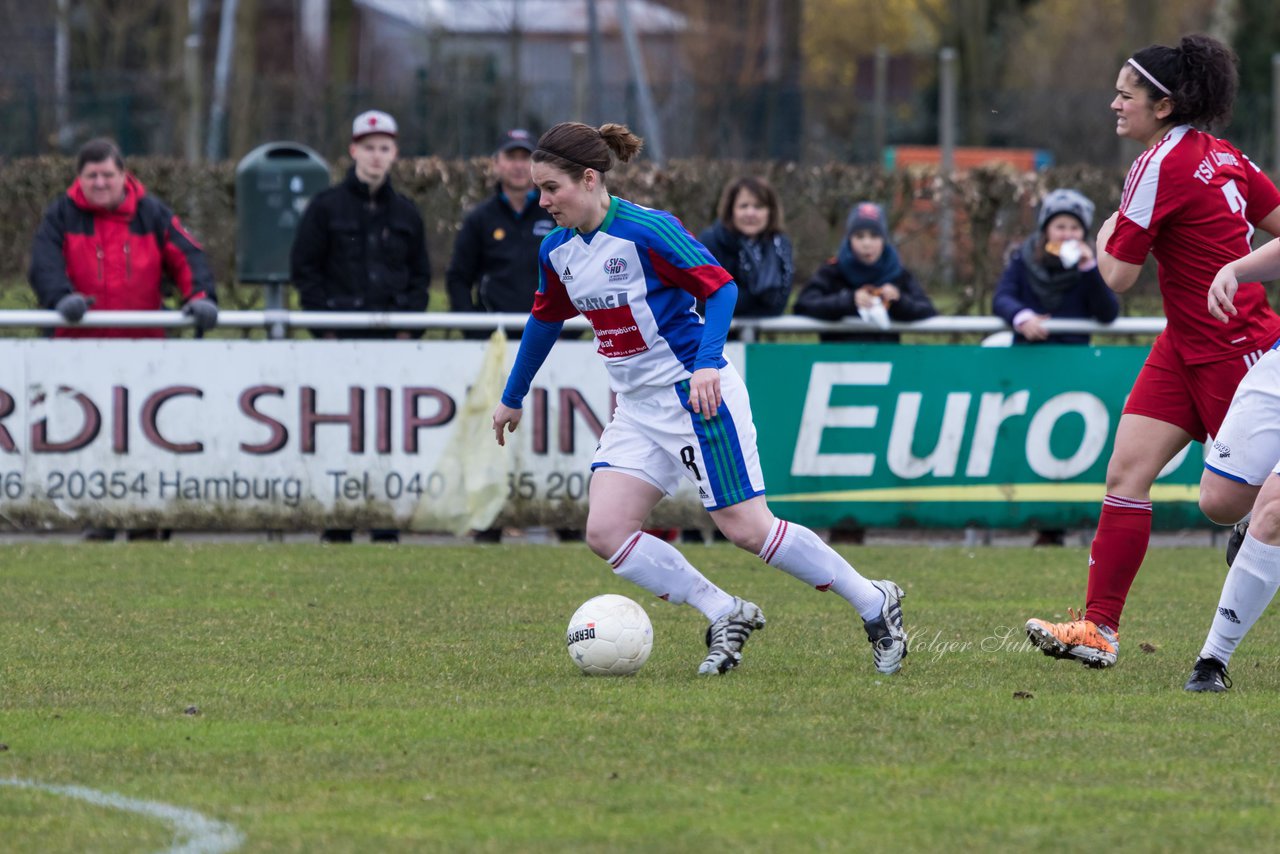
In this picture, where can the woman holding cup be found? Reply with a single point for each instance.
(1054, 274)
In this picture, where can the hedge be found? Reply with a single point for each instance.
(995, 208)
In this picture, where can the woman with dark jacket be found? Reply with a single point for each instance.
(866, 279)
(1055, 274)
(748, 240)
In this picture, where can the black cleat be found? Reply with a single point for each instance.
(1208, 674)
(1236, 540)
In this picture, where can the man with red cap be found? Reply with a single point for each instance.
(361, 246)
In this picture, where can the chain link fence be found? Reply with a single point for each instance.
(460, 118)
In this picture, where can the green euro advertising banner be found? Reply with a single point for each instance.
(883, 435)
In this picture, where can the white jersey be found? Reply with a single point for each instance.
(636, 279)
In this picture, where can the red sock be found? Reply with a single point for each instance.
(1124, 530)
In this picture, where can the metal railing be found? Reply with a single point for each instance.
(276, 321)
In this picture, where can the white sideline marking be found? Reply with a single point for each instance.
(193, 832)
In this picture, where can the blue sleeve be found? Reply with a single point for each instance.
(715, 330)
(535, 344)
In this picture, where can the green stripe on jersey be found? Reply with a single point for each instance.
(614, 204)
(677, 239)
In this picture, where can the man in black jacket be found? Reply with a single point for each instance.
(361, 246)
(494, 266)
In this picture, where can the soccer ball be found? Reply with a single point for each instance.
(609, 636)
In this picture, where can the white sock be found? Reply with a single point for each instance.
(1250, 585)
(660, 568)
(796, 550)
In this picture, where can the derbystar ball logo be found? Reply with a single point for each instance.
(577, 635)
(614, 266)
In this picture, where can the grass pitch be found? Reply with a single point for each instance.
(382, 699)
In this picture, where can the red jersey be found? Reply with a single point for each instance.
(1192, 202)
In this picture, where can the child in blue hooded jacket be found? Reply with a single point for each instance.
(865, 275)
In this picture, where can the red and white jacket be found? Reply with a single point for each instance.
(116, 258)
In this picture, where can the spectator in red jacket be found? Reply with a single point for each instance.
(109, 245)
(106, 244)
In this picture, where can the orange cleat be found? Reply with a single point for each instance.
(1081, 639)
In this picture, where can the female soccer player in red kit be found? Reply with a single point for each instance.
(1192, 201)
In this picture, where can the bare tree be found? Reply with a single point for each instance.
(124, 50)
(746, 60)
(979, 30)
(244, 65)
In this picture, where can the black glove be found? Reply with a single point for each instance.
(72, 307)
(204, 312)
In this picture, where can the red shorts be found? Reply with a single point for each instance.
(1193, 397)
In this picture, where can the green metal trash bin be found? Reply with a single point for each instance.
(274, 183)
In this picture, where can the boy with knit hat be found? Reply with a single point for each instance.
(865, 273)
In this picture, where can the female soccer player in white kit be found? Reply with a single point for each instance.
(635, 274)
(1247, 452)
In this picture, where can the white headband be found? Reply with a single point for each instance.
(1147, 74)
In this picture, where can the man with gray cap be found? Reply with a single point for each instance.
(495, 256)
(361, 246)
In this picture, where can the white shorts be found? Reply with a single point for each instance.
(656, 437)
(1247, 447)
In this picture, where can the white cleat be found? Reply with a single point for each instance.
(727, 635)
(888, 637)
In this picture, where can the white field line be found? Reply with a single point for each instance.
(193, 832)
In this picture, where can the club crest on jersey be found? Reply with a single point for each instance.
(614, 300)
(617, 269)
